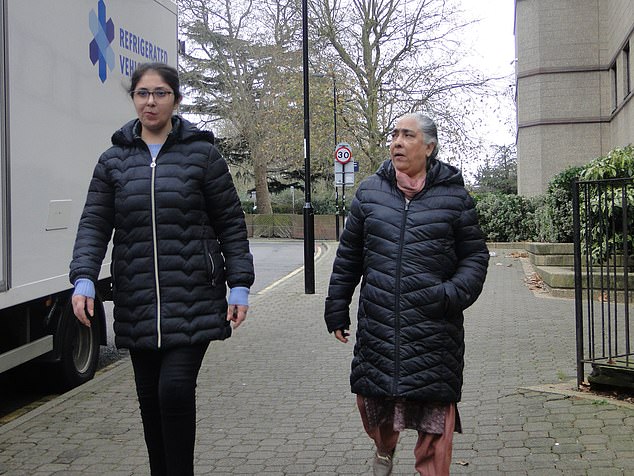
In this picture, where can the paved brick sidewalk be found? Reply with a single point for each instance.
(274, 399)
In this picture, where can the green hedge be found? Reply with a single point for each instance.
(505, 217)
(605, 207)
(548, 217)
(545, 218)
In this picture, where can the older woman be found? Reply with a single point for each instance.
(412, 239)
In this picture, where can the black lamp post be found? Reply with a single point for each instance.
(309, 217)
(334, 119)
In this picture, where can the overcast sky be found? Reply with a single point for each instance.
(493, 35)
(494, 42)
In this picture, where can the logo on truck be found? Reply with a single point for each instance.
(133, 47)
(103, 32)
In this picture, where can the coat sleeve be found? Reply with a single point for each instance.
(347, 269)
(464, 287)
(95, 226)
(227, 218)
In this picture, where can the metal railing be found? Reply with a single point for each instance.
(603, 217)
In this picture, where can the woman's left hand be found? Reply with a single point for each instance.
(237, 314)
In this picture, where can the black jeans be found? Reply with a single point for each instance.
(166, 387)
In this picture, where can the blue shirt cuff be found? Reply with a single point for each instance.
(85, 287)
(239, 296)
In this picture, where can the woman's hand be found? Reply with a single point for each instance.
(237, 314)
(80, 305)
(342, 335)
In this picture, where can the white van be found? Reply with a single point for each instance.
(63, 71)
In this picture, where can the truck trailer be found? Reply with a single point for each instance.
(64, 71)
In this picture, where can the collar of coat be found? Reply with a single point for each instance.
(437, 172)
(182, 131)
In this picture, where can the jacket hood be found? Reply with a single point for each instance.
(437, 172)
(182, 131)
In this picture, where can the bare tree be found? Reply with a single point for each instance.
(242, 68)
(402, 55)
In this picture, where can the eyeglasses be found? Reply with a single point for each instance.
(142, 95)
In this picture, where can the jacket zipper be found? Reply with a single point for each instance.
(155, 252)
(213, 270)
(397, 307)
(212, 266)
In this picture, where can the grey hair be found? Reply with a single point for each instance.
(428, 127)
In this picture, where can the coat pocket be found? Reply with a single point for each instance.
(452, 301)
(209, 263)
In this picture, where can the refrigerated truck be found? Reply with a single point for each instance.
(64, 69)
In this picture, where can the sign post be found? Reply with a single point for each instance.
(344, 172)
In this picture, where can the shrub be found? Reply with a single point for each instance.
(618, 163)
(506, 218)
(324, 205)
(605, 208)
(282, 203)
(553, 210)
(247, 205)
(547, 217)
(553, 217)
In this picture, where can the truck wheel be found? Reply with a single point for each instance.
(78, 347)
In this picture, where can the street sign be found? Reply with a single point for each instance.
(344, 172)
(343, 153)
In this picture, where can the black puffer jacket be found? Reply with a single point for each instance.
(421, 265)
(179, 237)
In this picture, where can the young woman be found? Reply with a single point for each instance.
(179, 240)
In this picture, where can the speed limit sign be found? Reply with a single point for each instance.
(343, 153)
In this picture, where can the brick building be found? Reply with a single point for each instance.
(574, 84)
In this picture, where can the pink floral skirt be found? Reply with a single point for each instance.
(424, 417)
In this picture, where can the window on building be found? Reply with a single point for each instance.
(615, 84)
(627, 71)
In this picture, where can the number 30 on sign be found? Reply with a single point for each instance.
(343, 153)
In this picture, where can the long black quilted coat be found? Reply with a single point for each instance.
(179, 237)
(420, 266)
